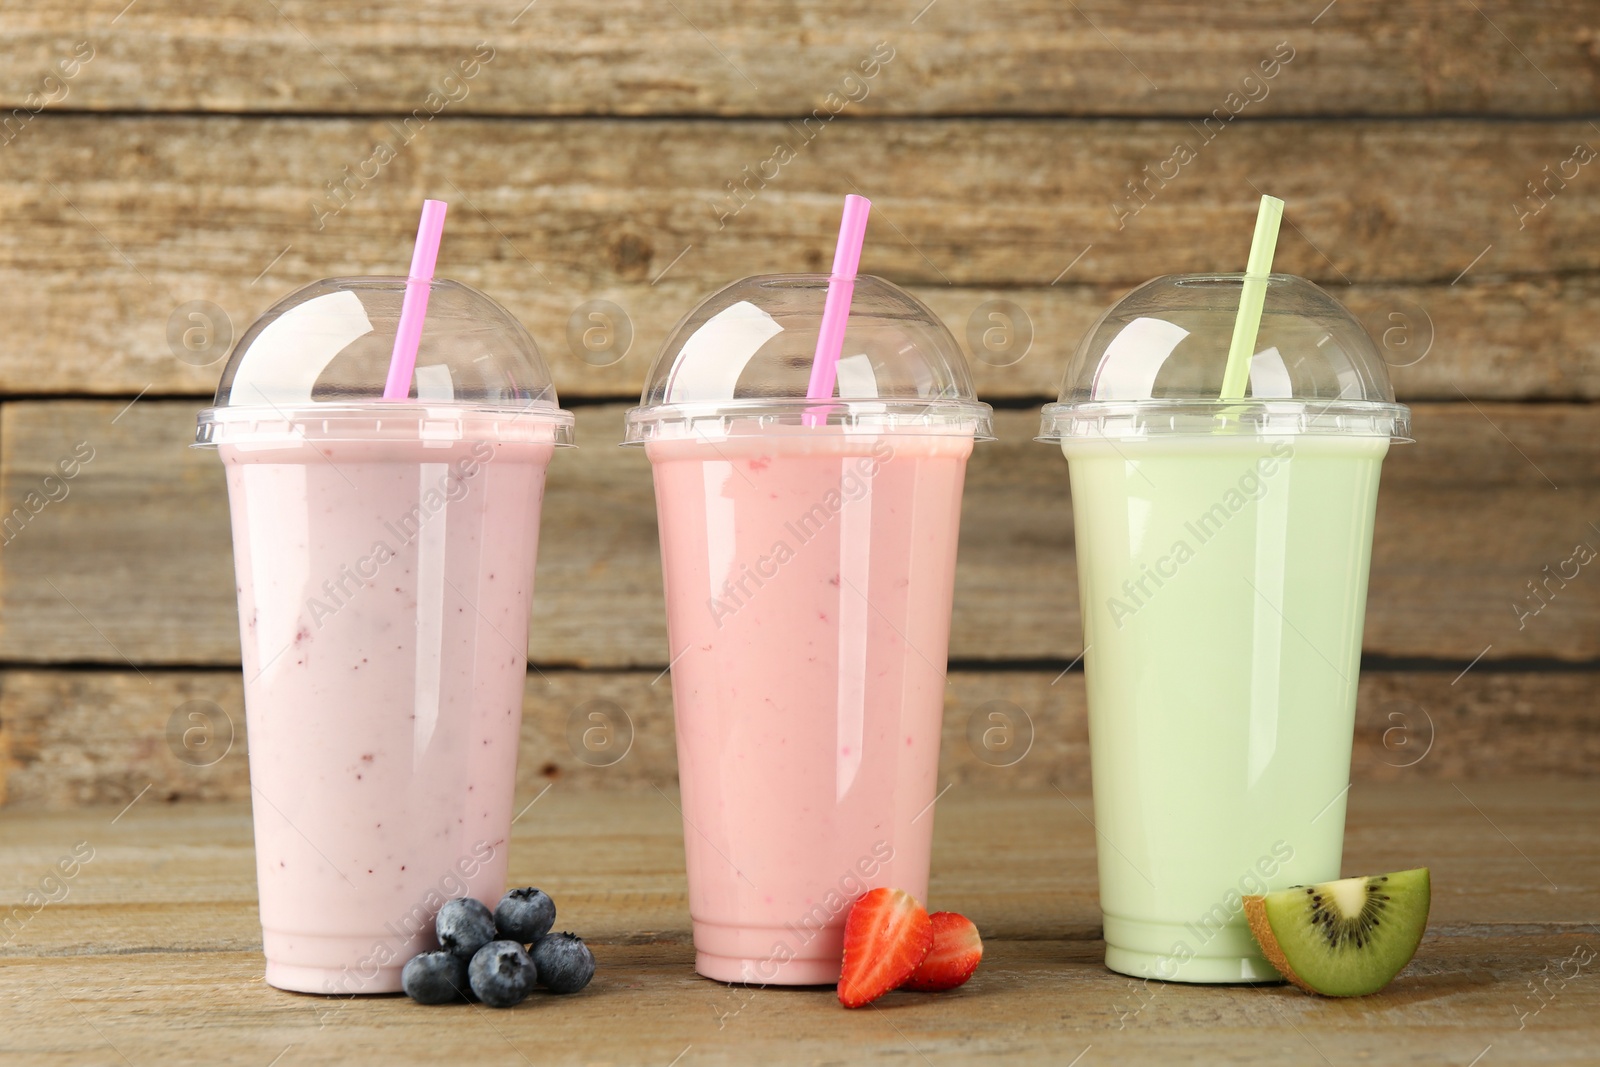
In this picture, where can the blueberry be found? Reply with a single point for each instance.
(464, 926)
(435, 978)
(564, 962)
(525, 915)
(502, 974)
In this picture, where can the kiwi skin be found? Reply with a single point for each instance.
(1255, 908)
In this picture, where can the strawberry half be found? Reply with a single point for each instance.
(956, 950)
(886, 937)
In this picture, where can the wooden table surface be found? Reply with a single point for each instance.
(151, 953)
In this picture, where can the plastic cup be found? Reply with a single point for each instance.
(1222, 550)
(809, 555)
(384, 553)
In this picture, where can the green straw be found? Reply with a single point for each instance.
(1252, 299)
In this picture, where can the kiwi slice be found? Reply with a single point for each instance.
(1346, 938)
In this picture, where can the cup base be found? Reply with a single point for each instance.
(330, 981)
(340, 965)
(769, 955)
(1185, 952)
(1204, 970)
(766, 971)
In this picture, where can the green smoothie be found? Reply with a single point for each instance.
(1223, 580)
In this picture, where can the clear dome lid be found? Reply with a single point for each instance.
(322, 354)
(744, 355)
(1153, 364)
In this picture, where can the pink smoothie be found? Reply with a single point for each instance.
(808, 582)
(384, 591)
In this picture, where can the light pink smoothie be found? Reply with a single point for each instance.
(384, 591)
(808, 581)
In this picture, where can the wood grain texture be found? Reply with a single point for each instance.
(742, 57)
(134, 564)
(75, 738)
(153, 953)
(591, 158)
(113, 222)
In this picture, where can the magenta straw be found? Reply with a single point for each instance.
(836, 310)
(414, 309)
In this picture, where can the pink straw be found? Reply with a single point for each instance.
(836, 309)
(414, 309)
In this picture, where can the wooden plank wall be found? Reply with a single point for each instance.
(1439, 169)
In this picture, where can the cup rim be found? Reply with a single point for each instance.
(948, 417)
(1210, 416)
(345, 420)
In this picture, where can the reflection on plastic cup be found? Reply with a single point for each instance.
(1404, 334)
(199, 333)
(599, 733)
(999, 333)
(599, 333)
(1408, 733)
(1000, 733)
(199, 733)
